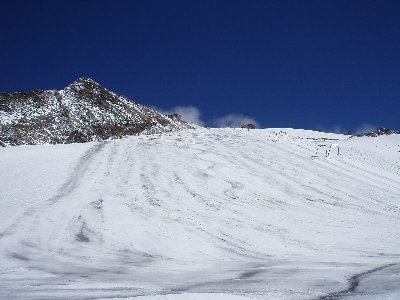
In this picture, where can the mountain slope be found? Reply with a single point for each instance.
(83, 111)
(262, 214)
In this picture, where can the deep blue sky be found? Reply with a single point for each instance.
(304, 64)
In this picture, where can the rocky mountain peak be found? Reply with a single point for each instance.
(83, 111)
(84, 83)
(85, 80)
(85, 86)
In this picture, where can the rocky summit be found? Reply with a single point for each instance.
(83, 111)
(378, 132)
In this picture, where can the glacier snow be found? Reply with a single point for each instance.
(202, 214)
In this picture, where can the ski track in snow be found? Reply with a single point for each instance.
(354, 283)
(203, 214)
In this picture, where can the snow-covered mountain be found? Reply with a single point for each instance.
(203, 214)
(83, 111)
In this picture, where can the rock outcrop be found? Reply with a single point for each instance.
(83, 111)
(378, 132)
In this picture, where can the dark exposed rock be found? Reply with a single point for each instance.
(175, 117)
(83, 111)
(378, 132)
(249, 126)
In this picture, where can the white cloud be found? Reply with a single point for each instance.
(334, 129)
(189, 114)
(339, 129)
(365, 128)
(233, 120)
(192, 115)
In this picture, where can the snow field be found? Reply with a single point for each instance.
(207, 214)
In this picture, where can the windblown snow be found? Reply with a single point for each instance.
(202, 214)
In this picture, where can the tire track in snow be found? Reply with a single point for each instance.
(221, 205)
(67, 188)
(354, 282)
(79, 171)
(345, 172)
(348, 169)
(59, 235)
(291, 183)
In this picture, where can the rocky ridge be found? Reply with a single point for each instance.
(83, 111)
(378, 132)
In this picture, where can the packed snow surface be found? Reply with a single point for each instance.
(202, 214)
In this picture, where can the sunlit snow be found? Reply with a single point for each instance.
(202, 214)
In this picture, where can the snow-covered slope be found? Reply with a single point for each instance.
(83, 111)
(203, 214)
